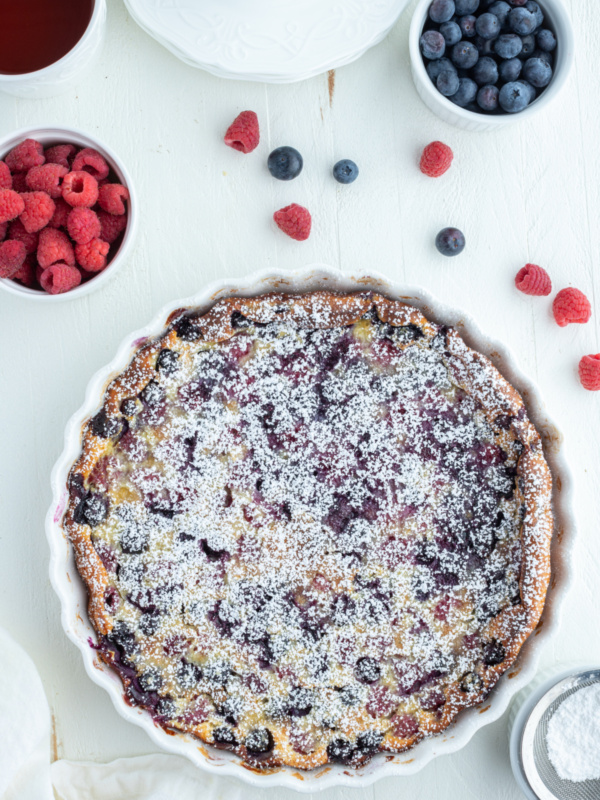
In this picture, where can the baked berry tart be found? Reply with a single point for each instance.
(312, 527)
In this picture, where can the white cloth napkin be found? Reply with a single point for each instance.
(25, 770)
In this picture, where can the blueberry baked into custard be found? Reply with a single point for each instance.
(312, 527)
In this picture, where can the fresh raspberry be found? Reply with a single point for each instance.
(12, 256)
(54, 248)
(92, 255)
(61, 214)
(83, 225)
(436, 159)
(5, 177)
(62, 154)
(111, 197)
(46, 178)
(533, 280)
(243, 134)
(17, 231)
(11, 205)
(26, 273)
(294, 220)
(571, 305)
(3, 229)
(91, 161)
(80, 189)
(24, 156)
(19, 181)
(589, 372)
(60, 278)
(39, 209)
(111, 225)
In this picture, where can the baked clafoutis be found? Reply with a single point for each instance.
(312, 527)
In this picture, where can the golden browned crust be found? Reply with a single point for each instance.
(472, 371)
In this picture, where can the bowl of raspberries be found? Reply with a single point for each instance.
(481, 64)
(68, 214)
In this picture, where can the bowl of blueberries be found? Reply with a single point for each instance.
(480, 64)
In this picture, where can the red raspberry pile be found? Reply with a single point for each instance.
(62, 212)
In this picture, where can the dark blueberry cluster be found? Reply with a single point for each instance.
(488, 56)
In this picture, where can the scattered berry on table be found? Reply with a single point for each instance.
(80, 189)
(468, 24)
(11, 205)
(62, 154)
(295, 221)
(12, 256)
(467, 92)
(448, 82)
(6, 177)
(537, 72)
(92, 255)
(38, 211)
(46, 178)
(285, 163)
(533, 280)
(436, 159)
(450, 242)
(54, 248)
(60, 278)
(451, 32)
(441, 10)
(466, 6)
(83, 225)
(488, 26)
(25, 155)
(433, 45)
(465, 55)
(485, 71)
(90, 160)
(510, 70)
(571, 305)
(514, 96)
(244, 133)
(345, 171)
(589, 372)
(487, 98)
(112, 198)
(546, 40)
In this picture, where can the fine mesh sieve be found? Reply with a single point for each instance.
(533, 754)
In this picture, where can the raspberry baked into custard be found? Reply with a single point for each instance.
(312, 527)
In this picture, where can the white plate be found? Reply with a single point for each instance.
(276, 41)
(72, 593)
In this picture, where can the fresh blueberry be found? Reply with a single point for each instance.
(537, 12)
(451, 32)
(435, 68)
(487, 98)
(514, 96)
(345, 171)
(508, 45)
(521, 21)
(488, 26)
(466, 6)
(546, 40)
(466, 93)
(510, 70)
(450, 242)
(467, 25)
(465, 55)
(528, 46)
(441, 10)
(285, 163)
(501, 9)
(545, 56)
(433, 45)
(485, 71)
(485, 47)
(537, 72)
(517, 2)
(448, 83)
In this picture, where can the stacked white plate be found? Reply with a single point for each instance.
(272, 41)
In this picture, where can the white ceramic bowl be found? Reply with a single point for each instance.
(62, 135)
(72, 593)
(68, 71)
(555, 12)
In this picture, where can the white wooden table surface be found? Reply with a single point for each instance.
(529, 193)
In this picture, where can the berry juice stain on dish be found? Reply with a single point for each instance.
(36, 33)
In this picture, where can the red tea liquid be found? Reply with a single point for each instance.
(36, 33)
